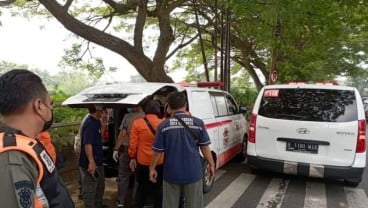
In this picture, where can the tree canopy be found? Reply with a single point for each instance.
(307, 40)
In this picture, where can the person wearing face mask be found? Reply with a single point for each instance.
(120, 153)
(91, 159)
(28, 174)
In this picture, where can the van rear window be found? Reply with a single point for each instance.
(323, 105)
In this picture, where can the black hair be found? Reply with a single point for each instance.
(18, 87)
(152, 107)
(92, 110)
(176, 100)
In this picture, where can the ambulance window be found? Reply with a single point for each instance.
(231, 105)
(214, 106)
(201, 107)
(221, 105)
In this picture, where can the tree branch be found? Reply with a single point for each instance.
(6, 2)
(99, 37)
(68, 4)
(122, 8)
(248, 66)
(139, 25)
(181, 45)
(108, 23)
(174, 4)
(85, 51)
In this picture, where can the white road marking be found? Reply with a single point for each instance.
(232, 192)
(356, 197)
(315, 195)
(274, 193)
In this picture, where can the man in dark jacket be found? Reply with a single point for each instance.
(91, 159)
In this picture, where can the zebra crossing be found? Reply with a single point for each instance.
(245, 190)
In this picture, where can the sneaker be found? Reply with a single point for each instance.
(119, 205)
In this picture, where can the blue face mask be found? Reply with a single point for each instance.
(129, 110)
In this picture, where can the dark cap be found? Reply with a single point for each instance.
(176, 100)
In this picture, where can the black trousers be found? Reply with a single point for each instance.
(148, 189)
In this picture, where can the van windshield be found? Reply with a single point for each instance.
(323, 105)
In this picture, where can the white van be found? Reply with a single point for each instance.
(225, 122)
(315, 130)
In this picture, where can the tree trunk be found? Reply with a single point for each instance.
(150, 70)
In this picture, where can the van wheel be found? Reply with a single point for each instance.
(207, 184)
(353, 182)
(243, 154)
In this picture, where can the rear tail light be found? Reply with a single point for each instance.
(361, 146)
(105, 136)
(252, 128)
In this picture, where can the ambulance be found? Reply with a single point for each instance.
(225, 121)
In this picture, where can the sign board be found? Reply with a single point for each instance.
(273, 76)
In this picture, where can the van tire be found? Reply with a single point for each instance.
(352, 182)
(243, 154)
(207, 185)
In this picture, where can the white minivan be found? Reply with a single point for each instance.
(315, 130)
(224, 120)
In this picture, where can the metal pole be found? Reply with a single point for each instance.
(227, 51)
(215, 41)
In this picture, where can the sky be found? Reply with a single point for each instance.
(40, 43)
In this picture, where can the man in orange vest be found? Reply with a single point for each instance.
(28, 174)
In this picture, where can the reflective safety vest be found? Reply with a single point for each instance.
(30, 146)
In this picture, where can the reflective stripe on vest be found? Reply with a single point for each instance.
(10, 141)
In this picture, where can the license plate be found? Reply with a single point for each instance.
(302, 147)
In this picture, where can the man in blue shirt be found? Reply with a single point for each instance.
(91, 159)
(182, 161)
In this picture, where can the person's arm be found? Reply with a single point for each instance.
(91, 159)
(206, 151)
(132, 151)
(120, 140)
(152, 169)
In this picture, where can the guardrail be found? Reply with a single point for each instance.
(58, 125)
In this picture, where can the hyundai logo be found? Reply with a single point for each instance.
(302, 131)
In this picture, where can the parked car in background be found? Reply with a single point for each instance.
(224, 120)
(315, 130)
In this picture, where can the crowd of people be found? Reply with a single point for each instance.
(159, 157)
(161, 154)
